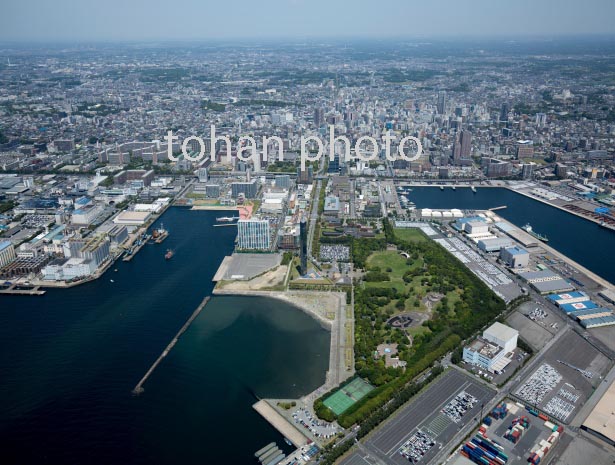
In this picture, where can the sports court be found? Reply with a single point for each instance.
(341, 400)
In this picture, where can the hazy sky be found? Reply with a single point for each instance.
(61, 20)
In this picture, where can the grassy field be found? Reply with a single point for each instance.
(416, 289)
(410, 234)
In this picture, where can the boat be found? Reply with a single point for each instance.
(169, 254)
(453, 187)
(115, 270)
(441, 188)
(287, 441)
(473, 189)
(111, 280)
(227, 219)
(527, 228)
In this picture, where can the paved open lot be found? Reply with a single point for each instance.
(539, 330)
(246, 265)
(558, 386)
(424, 413)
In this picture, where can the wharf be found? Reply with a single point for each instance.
(139, 387)
(161, 237)
(135, 249)
(22, 290)
(280, 423)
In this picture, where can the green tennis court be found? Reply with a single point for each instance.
(343, 399)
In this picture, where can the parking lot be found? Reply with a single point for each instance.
(489, 273)
(565, 378)
(334, 252)
(318, 428)
(434, 416)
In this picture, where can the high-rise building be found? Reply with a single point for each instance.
(525, 149)
(7, 253)
(253, 234)
(202, 174)
(462, 146)
(527, 170)
(441, 102)
(319, 117)
(303, 245)
(305, 176)
(504, 112)
(282, 181)
(248, 189)
(541, 119)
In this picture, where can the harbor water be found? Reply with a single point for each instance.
(69, 360)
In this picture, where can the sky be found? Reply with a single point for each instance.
(120, 20)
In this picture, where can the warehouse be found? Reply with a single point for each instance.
(577, 306)
(515, 257)
(494, 245)
(568, 298)
(601, 421)
(546, 281)
(132, 218)
(598, 322)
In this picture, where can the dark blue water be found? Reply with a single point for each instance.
(583, 241)
(69, 360)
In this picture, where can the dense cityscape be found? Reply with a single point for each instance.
(461, 304)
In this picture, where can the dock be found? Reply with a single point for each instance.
(16, 289)
(161, 237)
(280, 423)
(135, 249)
(139, 387)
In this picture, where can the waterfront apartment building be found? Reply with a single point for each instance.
(7, 253)
(253, 234)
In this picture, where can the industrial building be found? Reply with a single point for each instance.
(494, 244)
(515, 257)
(132, 218)
(253, 234)
(546, 281)
(601, 420)
(502, 335)
(490, 351)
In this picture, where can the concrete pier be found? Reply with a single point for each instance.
(139, 387)
(280, 423)
(24, 290)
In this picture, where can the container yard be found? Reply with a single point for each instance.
(512, 434)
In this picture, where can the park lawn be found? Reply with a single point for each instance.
(389, 259)
(409, 234)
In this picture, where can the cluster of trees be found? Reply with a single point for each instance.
(477, 306)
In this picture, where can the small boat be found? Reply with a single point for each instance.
(115, 270)
(288, 442)
(527, 228)
(473, 189)
(169, 254)
(111, 280)
(227, 219)
(441, 188)
(453, 187)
